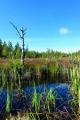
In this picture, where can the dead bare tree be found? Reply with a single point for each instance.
(21, 34)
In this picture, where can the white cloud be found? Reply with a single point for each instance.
(64, 31)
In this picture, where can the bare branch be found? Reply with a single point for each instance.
(16, 29)
(23, 30)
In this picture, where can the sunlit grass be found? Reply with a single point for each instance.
(11, 74)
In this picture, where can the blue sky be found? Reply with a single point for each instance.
(53, 24)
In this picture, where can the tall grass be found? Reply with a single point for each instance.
(75, 85)
(42, 103)
(36, 101)
(49, 71)
(11, 79)
(50, 100)
(8, 100)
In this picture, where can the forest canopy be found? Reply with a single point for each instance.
(8, 51)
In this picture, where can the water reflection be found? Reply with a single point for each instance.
(20, 102)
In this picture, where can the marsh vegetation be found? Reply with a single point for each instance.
(46, 87)
(41, 104)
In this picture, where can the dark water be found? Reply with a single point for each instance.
(20, 102)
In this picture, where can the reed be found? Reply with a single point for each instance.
(8, 100)
(49, 71)
(11, 79)
(75, 85)
(36, 99)
(50, 100)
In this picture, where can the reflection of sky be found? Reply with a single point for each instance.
(61, 90)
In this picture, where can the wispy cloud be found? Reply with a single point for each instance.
(64, 31)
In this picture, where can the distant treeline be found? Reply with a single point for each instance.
(8, 51)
